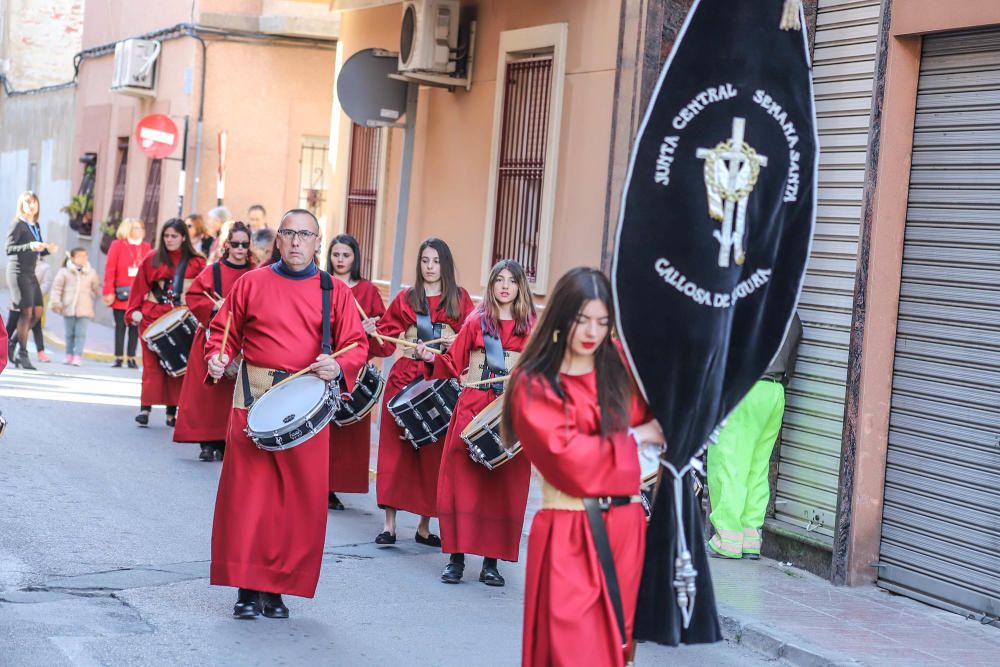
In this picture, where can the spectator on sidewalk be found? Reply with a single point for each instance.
(214, 221)
(74, 293)
(739, 461)
(201, 239)
(257, 217)
(124, 257)
(43, 272)
(262, 246)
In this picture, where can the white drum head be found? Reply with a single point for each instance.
(279, 407)
(487, 416)
(164, 323)
(413, 392)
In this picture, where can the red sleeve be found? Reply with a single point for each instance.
(393, 323)
(580, 464)
(347, 329)
(452, 363)
(140, 288)
(235, 305)
(111, 267)
(197, 300)
(467, 305)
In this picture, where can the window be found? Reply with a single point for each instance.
(151, 201)
(362, 192)
(530, 71)
(312, 174)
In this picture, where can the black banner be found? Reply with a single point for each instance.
(712, 245)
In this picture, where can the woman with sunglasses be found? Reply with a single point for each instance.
(204, 407)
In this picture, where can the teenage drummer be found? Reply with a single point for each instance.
(204, 408)
(270, 518)
(481, 511)
(160, 286)
(434, 308)
(350, 446)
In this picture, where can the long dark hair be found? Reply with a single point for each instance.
(187, 250)
(523, 308)
(451, 296)
(352, 243)
(237, 227)
(543, 356)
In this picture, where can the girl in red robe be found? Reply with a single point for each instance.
(204, 407)
(152, 297)
(570, 403)
(407, 478)
(481, 511)
(350, 446)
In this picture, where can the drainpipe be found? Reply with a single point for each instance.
(200, 129)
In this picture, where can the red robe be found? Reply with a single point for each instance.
(568, 617)
(122, 257)
(158, 388)
(3, 345)
(480, 511)
(407, 478)
(270, 510)
(350, 446)
(204, 407)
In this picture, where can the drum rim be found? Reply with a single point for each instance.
(329, 399)
(392, 401)
(146, 336)
(369, 406)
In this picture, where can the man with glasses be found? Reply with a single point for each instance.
(270, 513)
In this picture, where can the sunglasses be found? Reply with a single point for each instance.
(239, 244)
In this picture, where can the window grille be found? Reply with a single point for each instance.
(312, 174)
(362, 192)
(151, 201)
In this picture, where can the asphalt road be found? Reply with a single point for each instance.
(104, 548)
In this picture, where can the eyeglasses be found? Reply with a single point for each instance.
(239, 244)
(303, 234)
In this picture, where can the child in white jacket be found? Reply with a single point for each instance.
(74, 293)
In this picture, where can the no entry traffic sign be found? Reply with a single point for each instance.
(157, 136)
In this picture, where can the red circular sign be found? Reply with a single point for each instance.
(157, 136)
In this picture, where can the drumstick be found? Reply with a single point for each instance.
(407, 343)
(478, 383)
(225, 337)
(304, 370)
(364, 316)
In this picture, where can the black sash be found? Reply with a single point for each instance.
(599, 533)
(496, 362)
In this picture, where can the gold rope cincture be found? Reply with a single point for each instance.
(790, 15)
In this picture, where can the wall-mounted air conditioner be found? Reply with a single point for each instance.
(135, 67)
(429, 36)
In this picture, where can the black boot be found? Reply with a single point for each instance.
(247, 604)
(490, 575)
(132, 363)
(23, 361)
(454, 569)
(333, 502)
(272, 606)
(219, 451)
(118, 363)
(207, 452)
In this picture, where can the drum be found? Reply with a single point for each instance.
(170, 338)
(649, 464)
(366, 393)
(291, 413)
(482, 437)
(423, 409)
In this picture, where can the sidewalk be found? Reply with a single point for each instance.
(792, 615)
(100, 344)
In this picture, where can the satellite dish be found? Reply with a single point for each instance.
(366, 93)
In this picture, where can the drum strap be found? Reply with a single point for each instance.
(599, 533)
(217, 278)
(177, 287)
(326, 284)
(254, 382)
(496, 362)
(426, 329)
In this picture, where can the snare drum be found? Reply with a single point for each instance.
(423, 409)
(482, 437)
(366, 393)
(291, 413)
(649, 464)
(170, 338)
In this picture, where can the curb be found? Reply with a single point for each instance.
(776, 645)
(87, 354)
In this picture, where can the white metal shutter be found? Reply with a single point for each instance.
(809, 461)
(941, 519)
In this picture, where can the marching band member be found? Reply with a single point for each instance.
(204, 408)
(270, 518)
(350, 446)
(481, 511)
(570, 403)
(160, 286)
(434, 307)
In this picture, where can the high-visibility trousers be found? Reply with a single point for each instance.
(738, 465)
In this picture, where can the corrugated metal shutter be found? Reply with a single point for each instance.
(809, 460)
(941, 519)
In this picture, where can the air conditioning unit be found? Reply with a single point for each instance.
(135, 67)
(429, 36)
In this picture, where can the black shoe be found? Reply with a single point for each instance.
(171, 420)
(333, 502)
(454, 569)
(23, 361)
(431, 540)
(142, 419)
(131, 363)
(218, 453)
(207, 453)
(272, 606)
(490, 575)
(385, 538)
(117, 364)
(247, 604)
